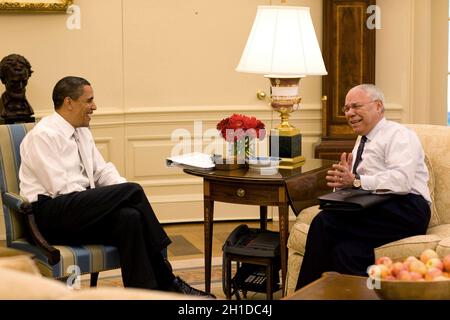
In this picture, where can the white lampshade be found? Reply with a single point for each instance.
(282, 42)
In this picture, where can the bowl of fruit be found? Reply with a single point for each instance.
(426, 277)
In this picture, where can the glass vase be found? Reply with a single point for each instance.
(242, 149)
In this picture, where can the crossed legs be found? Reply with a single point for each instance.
(118, 215)
(345, 241)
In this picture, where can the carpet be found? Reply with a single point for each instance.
(190, 270)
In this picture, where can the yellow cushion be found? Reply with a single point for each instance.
(307, 215)
(434, 220)
(18, 285)
(294, 262)
(125, 294)
(297, 238)
(436, 144)
(19, 263)
(443, 247)
(443, 230)
(411, 246)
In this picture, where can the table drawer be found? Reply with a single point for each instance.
(245, 193)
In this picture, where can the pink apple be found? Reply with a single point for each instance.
(408, 260)
(433, 273)
(428, 254)
(384, 271)
(384, 260)
(446, 262)
(376, 271)
(416, 276)
(435, 263)
(404, 275)
(417, 266)
(397, 267)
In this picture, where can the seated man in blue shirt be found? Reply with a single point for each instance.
(78, 198)
(389, 157)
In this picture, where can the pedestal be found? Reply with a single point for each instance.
(18, 119)
(286, 143)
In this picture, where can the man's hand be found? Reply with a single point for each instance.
(341, 175)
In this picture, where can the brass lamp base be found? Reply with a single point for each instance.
(285, 140)
(291, 165)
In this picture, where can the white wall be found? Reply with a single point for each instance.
(411, 61)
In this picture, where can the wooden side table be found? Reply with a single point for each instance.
(251, 188)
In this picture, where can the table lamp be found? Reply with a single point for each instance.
(283, 46)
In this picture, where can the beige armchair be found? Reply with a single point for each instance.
(436, 143)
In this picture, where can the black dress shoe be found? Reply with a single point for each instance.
(179, 285)
(169, 266)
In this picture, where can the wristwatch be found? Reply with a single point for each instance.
(357, 182)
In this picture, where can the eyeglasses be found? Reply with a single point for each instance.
(355, 106)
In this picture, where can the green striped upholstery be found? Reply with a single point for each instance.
(89, 258)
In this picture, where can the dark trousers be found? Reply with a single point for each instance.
(118, 215)
(344, 241)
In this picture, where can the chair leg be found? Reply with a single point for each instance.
(269, 279)
(94, 278)
(64, 280)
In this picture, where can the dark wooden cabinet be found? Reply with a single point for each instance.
(349, 54)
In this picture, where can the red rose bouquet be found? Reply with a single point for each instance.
(238, 125)
(242, 130)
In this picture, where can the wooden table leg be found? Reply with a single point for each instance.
(263, 217)
(283, 212)
(208, 228)
(269, 281)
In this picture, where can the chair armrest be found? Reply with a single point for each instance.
(12, 200)
(21, 205)
(303, 190)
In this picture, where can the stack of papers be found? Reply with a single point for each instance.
(195, 160)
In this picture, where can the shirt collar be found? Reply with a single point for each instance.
(376, 129)
(66, 128)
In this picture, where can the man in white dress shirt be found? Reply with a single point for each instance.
(79, 198)
(389, 158)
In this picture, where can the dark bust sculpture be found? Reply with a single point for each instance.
(15, 71)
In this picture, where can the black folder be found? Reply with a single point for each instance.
(351, 200)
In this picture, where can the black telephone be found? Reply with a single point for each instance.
(253, 242)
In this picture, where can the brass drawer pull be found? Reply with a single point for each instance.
(240, 192)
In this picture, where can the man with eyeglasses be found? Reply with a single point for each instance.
(387, 157)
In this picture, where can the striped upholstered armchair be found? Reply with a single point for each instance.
(21, 230)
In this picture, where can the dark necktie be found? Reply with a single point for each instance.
(359, 153)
